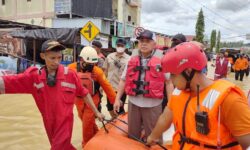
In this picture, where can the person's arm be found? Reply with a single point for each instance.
(235, 66)
(20, 83)
(246, 64)
(101, 62)
(106, 86)
(81, 91)
(169, 88)
(105, 66)
(244, 140)
(88, 99)
(235, 116)
(121, 89)
(163, 123)
(228, 67)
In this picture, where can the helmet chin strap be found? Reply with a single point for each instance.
(188, 78)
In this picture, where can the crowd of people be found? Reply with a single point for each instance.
(225, 64)
(162, 88)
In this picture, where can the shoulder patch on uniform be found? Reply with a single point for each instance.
(39, 85)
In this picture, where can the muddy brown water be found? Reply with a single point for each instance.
(21, 126)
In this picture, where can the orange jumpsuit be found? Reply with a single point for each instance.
(240, 64)
(89, 127)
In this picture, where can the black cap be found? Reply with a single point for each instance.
(180, 37)
(97, 44)
(145, 34)
(121, 41)
(52, 45)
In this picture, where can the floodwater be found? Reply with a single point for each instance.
(21, 126)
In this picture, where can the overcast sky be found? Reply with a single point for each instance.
(231, 17)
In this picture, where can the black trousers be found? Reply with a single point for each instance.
(247, 71)
(239, 73)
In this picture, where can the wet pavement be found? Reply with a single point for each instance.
(21, 126)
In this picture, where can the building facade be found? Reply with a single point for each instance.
(35, 12)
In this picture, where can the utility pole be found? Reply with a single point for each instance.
(124, 17)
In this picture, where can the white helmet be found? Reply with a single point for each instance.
(89, 55)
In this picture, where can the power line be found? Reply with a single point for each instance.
(214, 12)
(159, 28)
(234, 37)
(219, 15)
(229, 29)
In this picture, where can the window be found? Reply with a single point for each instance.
(129, 18)
(3, 2)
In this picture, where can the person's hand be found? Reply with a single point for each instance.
(117, 106)
(100, 116)
(151, 140)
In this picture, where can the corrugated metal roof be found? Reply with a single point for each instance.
(12, 24)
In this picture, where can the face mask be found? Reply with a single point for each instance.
(120, 49)
(87, 67)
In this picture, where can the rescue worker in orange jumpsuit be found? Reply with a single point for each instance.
(206, 114)
(54, 88)
(92, 77)
(240, 66)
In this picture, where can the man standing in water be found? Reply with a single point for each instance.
(54, 88)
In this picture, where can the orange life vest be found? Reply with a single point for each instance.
(210, 100)
(87, 82)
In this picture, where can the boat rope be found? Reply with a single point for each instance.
(106, 130)
(132, 136)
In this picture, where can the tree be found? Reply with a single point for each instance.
(212, 40)
(232, 44)
(218, 42)
(199, 29)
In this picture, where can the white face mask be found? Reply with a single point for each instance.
(120, 49)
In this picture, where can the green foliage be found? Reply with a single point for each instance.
(212, 40)
(232, 44)
(218, 42)
(200, 27)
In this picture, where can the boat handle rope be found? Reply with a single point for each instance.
(106, 130)
(132, 136)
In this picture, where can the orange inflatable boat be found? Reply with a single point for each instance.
(248, 97)
(113, 136)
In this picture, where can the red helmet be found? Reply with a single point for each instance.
(183, 56)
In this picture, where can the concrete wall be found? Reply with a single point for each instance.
(134, 12)
(37, 12)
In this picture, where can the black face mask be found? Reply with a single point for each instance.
(87, 67)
